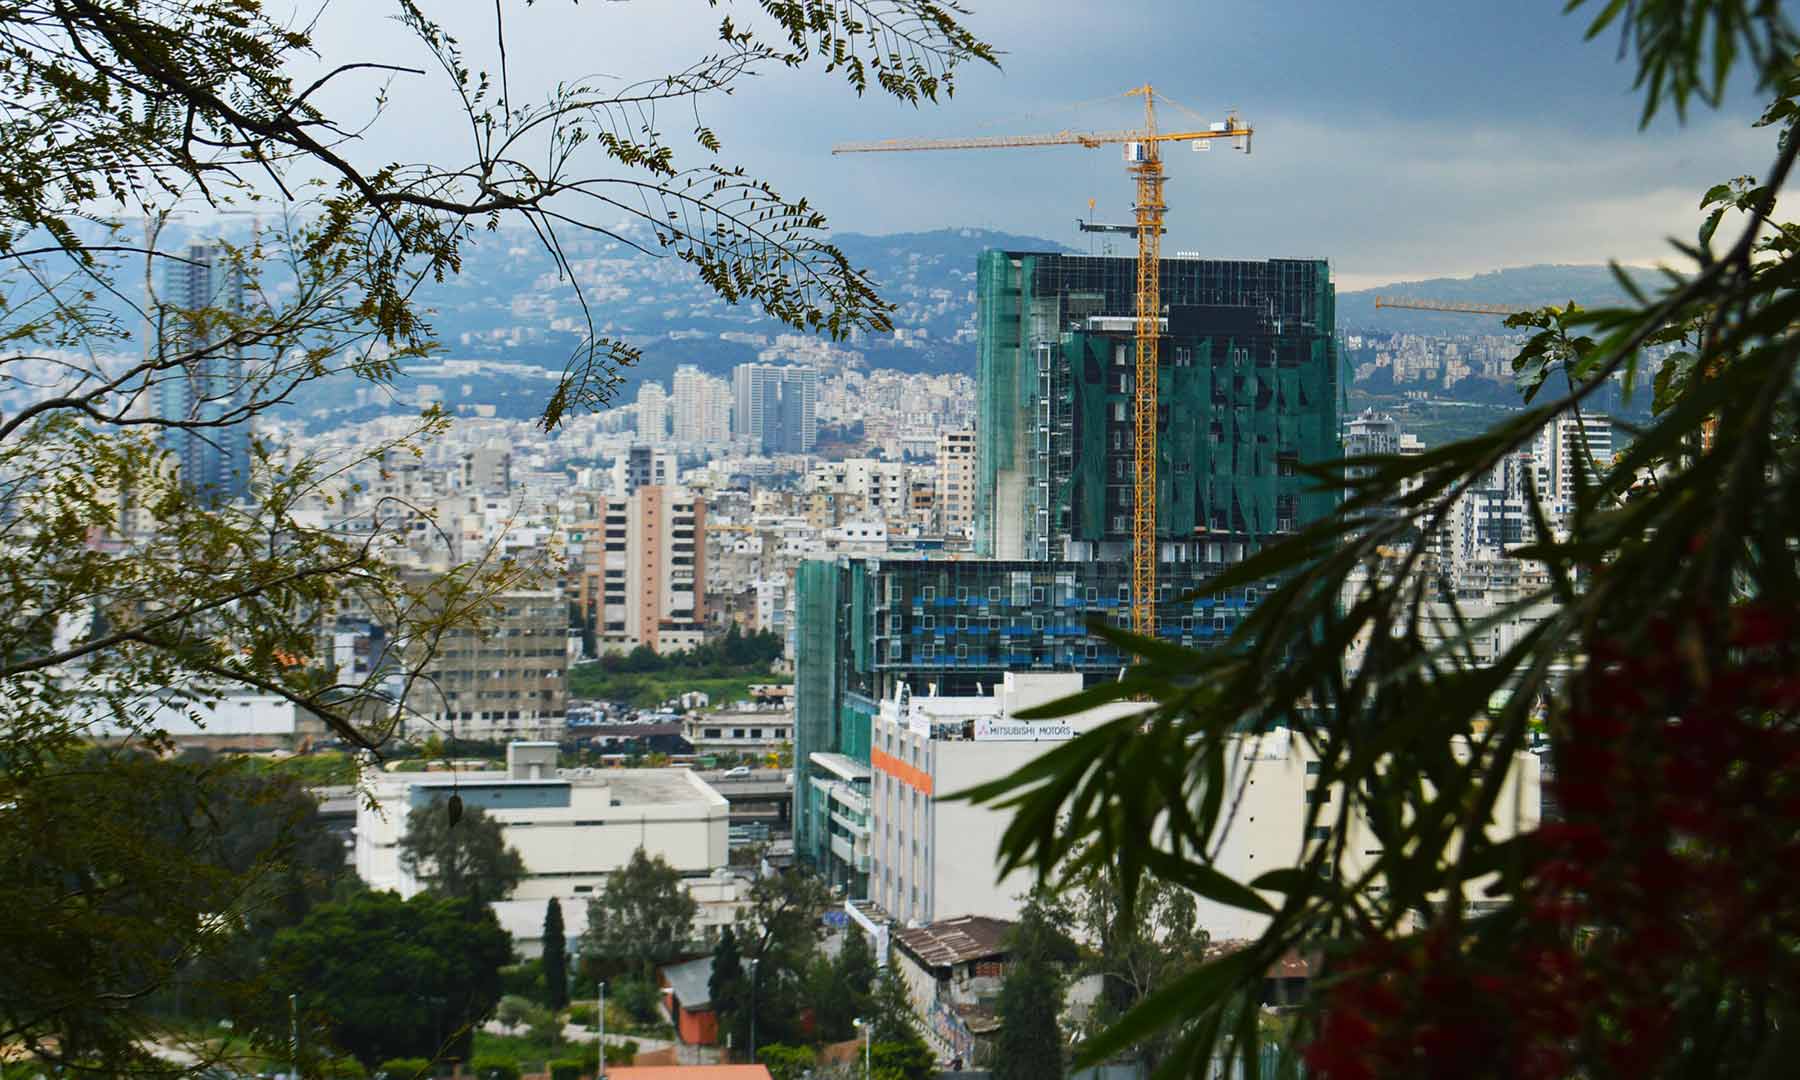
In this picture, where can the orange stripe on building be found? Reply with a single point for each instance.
(917, 779)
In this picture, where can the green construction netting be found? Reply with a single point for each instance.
(1239, 410)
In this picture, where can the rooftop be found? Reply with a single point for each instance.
(955, 941)
(631, 787)
(691, 982)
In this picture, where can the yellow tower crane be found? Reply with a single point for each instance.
(1143, 160)
(1455, 306)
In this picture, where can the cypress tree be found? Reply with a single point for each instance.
(1031, 998)
(556, 963)
(729, 989)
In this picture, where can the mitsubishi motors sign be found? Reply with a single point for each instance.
(988, 729)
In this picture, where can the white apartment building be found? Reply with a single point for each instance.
(700, 407)
(883, 487)
(932, 860)
(571, 827)
(954, 498)
(652, 414)
(1565, 447)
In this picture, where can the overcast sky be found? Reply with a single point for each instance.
(1400, 139)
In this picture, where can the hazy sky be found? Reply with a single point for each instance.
(1398, 139)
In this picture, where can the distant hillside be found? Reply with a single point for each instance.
(1524, 286)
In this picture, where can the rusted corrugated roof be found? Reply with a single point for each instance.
(955, 941)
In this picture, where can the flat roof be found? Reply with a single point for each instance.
(632, 787)
(840, 765)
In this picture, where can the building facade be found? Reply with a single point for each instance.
(572, 828)
(652, 414)
(1248, 386)
(210, 387)
(504, 679)
(776, 407)
(700, 407)
(954, 498)
(642, 575)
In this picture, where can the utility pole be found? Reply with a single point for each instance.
(600, 1068)
(868, 1030)
(753, 962)
(294, 1036)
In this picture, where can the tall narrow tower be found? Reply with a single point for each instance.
(202, 292)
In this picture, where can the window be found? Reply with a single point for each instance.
(1313, 767)
(711, 733)
(1320, 833)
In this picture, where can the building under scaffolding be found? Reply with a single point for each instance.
(1247, 388)
(1248, 391)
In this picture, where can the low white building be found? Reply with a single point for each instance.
(933, 859)
(572, 827)
(739, 730)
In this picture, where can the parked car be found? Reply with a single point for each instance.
(732, 773)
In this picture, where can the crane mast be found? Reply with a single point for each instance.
(1143, 157)
(1149, 207)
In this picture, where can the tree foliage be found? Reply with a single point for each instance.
(464, 857)
(131, 596)
(1651, 931)
(556, 964)
(643, 916)
(1135, 950)
(728, 988)
(1031, 996)
(188, 867)
(383, 977)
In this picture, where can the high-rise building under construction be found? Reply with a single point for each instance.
(1248, 391)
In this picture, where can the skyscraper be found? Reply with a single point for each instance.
(652, 413)
(1248, 392)
(777, 407)
(700, 407)
(199, 291)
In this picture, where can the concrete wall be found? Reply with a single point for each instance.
(568, 850)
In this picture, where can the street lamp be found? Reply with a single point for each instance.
(868, 1030)
(600, 1048)
(753, 962)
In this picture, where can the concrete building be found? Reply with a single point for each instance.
(1249, 386)
(643, 466)
(487, 470)
(642, 577)
(571, 827)
(952, 971)
(652, 413)
(740, 731)
(776, 407)
(923, 853)
(700, 407)
(954, 498)
(504, 679)
(214, 462)
(931, 859)
(1568, 447)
